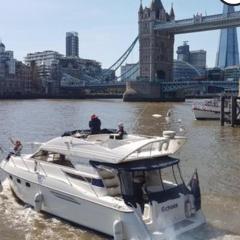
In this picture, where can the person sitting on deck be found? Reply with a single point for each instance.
(95, 124)
(119, 133)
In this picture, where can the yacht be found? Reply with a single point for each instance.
(209, 110)
(130, 188)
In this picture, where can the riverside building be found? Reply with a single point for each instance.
(196, 58)
(15, 77)
(7, 62)
(44, 63)
(43, 58)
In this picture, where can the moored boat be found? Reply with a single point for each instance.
(129, 189)
(209, 110)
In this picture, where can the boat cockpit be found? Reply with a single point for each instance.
(143, 182)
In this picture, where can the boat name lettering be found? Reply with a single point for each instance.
(170, 207)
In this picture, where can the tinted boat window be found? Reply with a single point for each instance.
(55, 158)
(60, 159)
(41, 155)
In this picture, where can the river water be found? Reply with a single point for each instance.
(213, 150)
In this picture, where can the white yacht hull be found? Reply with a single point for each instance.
(209, 110)
(201, 114)
(63, 202)
(78, 210)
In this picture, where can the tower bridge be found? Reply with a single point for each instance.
(200, 23)
(157, 29)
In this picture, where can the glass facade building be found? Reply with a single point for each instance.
(196, 59)
(183, 71)
(228, 54)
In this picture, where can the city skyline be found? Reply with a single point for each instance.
(104, 31)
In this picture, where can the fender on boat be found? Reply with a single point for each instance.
(118, 230)
(38, 201)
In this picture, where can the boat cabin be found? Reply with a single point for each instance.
(143, 182)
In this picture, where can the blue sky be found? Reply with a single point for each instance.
(106, 27)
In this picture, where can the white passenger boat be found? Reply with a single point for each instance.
(209, 110)
(127, 189)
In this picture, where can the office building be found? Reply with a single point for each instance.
(184, 71)
(15, 77)
(130, 72)
(232, 73)
(215, 74)
(228, 54)
(7, 62)
(196, 58)
(72, 42)
(183, 52)
(43, 58)
(43, 63)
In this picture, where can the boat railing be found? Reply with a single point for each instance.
(11, 159)
(44, 171)
(152, 149)
(22, 159)
(86, 180)
(68, 180)
(92, 188)
(24, 162)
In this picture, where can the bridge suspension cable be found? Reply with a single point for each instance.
(114, 67)
(120, 60)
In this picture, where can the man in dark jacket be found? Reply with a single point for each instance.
(95, 124)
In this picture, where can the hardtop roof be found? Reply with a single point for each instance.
(141, 165)
(98, 151)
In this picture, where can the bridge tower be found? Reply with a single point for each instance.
(156, 48)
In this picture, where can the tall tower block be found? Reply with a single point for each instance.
(72, 42)
(156, 48)
(228, 53)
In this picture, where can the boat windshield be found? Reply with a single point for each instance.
(148, 180)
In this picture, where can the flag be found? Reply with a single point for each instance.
(195, 190)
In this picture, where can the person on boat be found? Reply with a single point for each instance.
(95, 124)
(120, 131)
(138, 186)
(17, 148)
